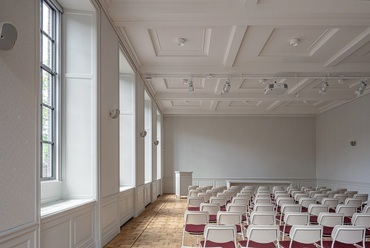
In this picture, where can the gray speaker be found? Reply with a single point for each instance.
(8, 36)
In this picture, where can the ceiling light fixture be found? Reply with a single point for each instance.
(361, 89)
(227, 87)
(180, 42)
(294, 42)
(191, 86)
(323, 89)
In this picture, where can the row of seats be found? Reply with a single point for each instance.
(246, 207)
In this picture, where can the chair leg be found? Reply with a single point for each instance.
(183, 237)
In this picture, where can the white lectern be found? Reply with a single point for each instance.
(183, 180)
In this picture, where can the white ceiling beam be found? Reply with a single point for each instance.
(235, 40)
(349, 49)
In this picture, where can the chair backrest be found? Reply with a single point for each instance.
(194, 201)
(211, 208)
(350, 194)
(203, 189)
(306, 201)
(226, 195)
(341, 190)
(326, 190)
(348, 234)
(280, 194)
(220, 234)
(212, 191)
(363, 197)
(236, 207)
(306, 234)
(194, 192)
(228, 218)
(248, 195)
(316, 209)
(192, 187)
(235, 187)
(263, 188)
(297, 197)
(263, 207)
(196, 217)
(263, 234)
(248, 189)
(262, 218)
(232, 192)
(205, 196)
(313, 192)
(331, 193)
(332, 202)
(290, 190)
(218, 199)
(282, 200)
(241, 200)
(289, 207)
(330, 219)
(360, 219)
(347, 210)
(262, 195)
(296, 218)
(277, 188)
(366, 209)
(340, 197)
(319, 197)
(262, 200)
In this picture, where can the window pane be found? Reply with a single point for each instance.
(47, 121)
(47, 49)
(47, 168)
(47, 88)
(47, 19)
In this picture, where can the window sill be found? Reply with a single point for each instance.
(61, 206)
(125, 188)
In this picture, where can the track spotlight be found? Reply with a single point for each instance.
(191, 86)
(361, 89)
(323, 89)
(226, 88)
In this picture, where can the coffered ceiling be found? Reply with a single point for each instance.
(248, 43)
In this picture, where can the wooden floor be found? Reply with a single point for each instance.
(160, 225)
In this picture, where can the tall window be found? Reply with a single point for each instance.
(49, 82)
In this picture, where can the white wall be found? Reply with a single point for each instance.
(19, 198)
(339, 164)
(239, 147)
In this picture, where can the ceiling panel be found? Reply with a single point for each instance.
(246, 43)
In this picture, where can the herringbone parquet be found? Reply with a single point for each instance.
(160, 225)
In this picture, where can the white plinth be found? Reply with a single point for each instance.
(183, 180)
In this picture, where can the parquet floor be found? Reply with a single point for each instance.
(160, 225)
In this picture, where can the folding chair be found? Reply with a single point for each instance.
(319, 197)
(346, 236)
(219, 236)
(350, 194)
(263, 207)
(347, 211)
(241, 200)
(240, 208)
(315, 209)
(286, 208)
(291, 219)
(341, 198)
(341, 190)
(262, 218)
(231, 218)
(303, 236)
(361, 219)
(261, 236)
(205, 196)
(305, 202)
(218, 200)
(194, 224)
(212, 209)
(332, 202)
(329, 221)
(283, 200)
(354, 202)
(193, 203)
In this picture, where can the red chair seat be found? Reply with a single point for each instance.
(347, 220)
(195, 229)
(295, 244)
(287, 229)
(327, 230)
(194, 208)
(243, 243)
(337, 244)
(313, 219)
(209, 243)
(212, 218)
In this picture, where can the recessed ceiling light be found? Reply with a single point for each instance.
(294, 42)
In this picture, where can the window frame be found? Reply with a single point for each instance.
(54, 104)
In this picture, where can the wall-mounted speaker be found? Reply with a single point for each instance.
(8, 36)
